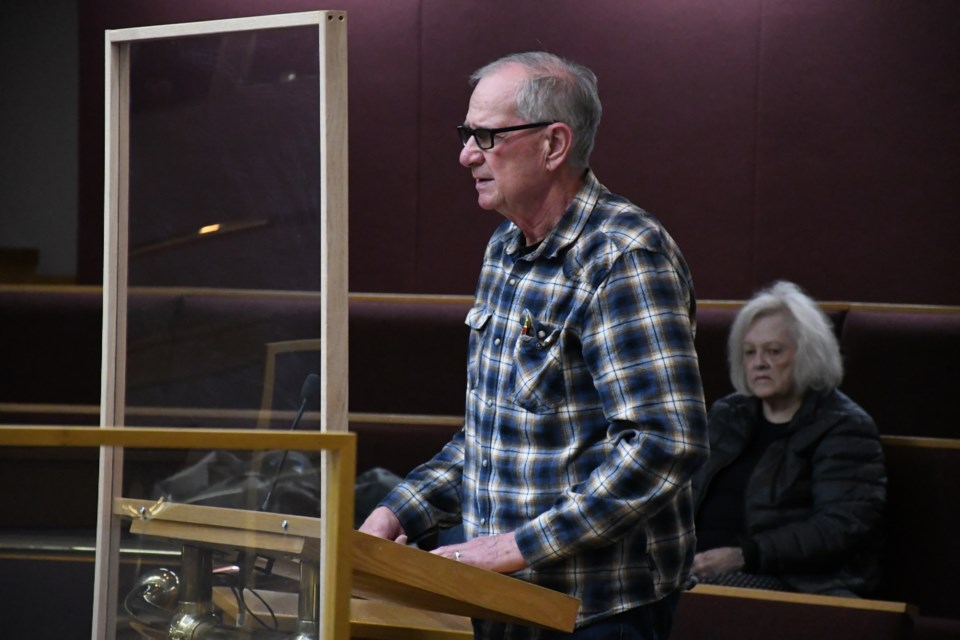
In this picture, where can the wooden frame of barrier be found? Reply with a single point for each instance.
(332, 51)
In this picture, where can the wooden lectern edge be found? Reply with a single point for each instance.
(269, 545)
(382, 569)
(384, 620)
(413, 577)
(261, 521)
(882, 606)
(426, 601)
(269, 534)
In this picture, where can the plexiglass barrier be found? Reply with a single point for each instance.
(225, 244)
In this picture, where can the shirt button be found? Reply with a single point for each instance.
(490, 402)
(512, 281)
(497, 342)
(483, 521)
(542, 334)
(484, 463)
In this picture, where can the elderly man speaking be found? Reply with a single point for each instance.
(585, 418)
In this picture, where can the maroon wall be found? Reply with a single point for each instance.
(815, 140)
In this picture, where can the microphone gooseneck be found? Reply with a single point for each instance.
(311, 386)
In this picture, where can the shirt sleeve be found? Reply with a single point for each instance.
(429, 497)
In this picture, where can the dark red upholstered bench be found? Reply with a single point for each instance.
(903, 367)
(727, 613)
(400, 443)
(408, 354)
(50, 345)
(922, 559)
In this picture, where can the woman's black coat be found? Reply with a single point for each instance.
(814, 503)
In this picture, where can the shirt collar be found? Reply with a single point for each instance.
(569, 227)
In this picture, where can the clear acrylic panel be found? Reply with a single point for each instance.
(224, 224)
(191, 561)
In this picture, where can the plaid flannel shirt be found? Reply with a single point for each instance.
(585, 417)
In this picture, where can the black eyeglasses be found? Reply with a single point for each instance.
(484, 137)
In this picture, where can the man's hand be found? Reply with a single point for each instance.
(716, 561)
(498, 553)
(383, 523)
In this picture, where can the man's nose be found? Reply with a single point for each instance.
(471, 155)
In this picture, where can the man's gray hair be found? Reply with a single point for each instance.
(557, 89)
(817, 364)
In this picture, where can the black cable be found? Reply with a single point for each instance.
(241, 602)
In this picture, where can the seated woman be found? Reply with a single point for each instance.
(794, 491)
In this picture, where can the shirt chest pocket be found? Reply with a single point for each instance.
(537, 377)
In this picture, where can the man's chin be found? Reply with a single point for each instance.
(486, 203)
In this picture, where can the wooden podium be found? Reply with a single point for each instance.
(398, 591)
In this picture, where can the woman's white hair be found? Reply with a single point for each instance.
(817, 364)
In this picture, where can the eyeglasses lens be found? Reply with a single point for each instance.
(483, 136)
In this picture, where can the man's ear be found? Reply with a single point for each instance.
(558, 145)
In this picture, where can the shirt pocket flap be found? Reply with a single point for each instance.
(478, 317)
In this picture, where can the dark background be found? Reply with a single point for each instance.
(816, 140)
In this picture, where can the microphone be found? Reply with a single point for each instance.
(246, 562)
(311, 386)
